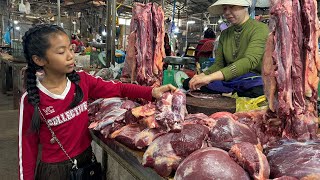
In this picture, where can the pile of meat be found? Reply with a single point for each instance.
(138, 125)
(223, 145)
(189, 146)
(145, 50)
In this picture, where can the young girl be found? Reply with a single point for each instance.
(61, 98)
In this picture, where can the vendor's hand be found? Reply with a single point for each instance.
(158, 91)
(199, 80)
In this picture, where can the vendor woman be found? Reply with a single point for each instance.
(237, 67)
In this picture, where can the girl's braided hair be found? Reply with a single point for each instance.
(36, 42)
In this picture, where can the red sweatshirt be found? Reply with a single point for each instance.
(69, 125)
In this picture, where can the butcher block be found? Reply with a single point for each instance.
(210, 104)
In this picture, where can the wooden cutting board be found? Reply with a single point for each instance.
(211, 104)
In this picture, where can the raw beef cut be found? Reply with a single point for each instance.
(146, 45)
(290, 68)
(199, 118)
(146, 137)
(210, 163)
(179, 102)
(130, 118)
(171, 110)
(144, 42)
(149, 121)
(219, 115)
(158, 24)
(109, 111)
(165, 103)
(128, 104)
(282, 13)
(261, 124)
(190, 139)
(142, 115)
(161, 156)
(126, 135)
(228, 132)
(109, 129)
(144, 111)
(108, 118)
(107, 105)
(296, 159)
(251, 158)
(94, 107)
(310, 47)
(268, 73)
(299, 102)
(130, 64)
(106, 131)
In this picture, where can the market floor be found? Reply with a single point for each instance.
(8, 138)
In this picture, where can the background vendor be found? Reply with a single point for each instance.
(237, 67)
(205, 46)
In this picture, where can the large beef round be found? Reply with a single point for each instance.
(228, 132)
(210, 163)
(161, 156)
(190, 139)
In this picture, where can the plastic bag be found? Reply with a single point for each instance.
(248, 104)
(116, 69)
(105, 73)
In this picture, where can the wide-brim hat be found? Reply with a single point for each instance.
(217, 9)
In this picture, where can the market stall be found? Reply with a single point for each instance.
(191, 134)
(12, 71)
(243, 145)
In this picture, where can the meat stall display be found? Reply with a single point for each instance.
(278, 143)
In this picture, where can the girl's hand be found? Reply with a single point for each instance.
(158, 91)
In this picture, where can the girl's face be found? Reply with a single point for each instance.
(236, 15)
(60, 56)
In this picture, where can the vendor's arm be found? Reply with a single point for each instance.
(28, 142)
(201, 80)
(250, 60)
(212, 74)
